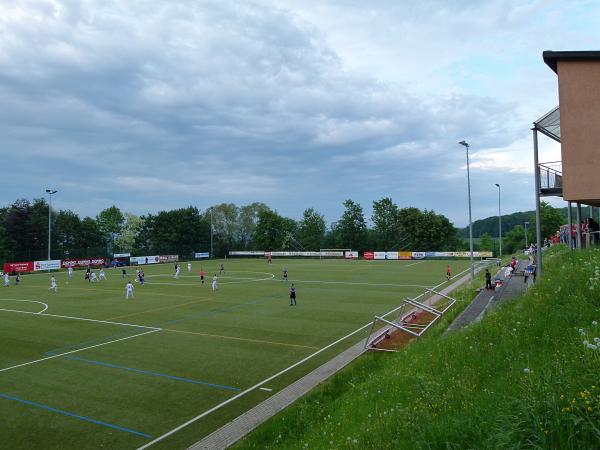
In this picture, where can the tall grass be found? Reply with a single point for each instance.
(526, 377)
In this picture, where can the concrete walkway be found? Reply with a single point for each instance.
(512, 287)
(235, 430)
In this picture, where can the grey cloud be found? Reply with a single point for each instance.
(165, 104)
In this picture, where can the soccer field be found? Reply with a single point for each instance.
(86, 368)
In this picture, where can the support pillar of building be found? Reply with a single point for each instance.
(579, 241)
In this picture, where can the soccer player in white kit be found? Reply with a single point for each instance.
(70, 272)
(129, 290)
(53, 286)
(6, 280)
(102, 275)
(93, 277)
(189, 267)
(214, 282)
(177, 272)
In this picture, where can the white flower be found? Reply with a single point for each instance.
(586, 342)
(594, 322)
(592, 347)
(526, 370)
(596, 340)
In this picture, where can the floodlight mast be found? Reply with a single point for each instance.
(464, 144)
(50, 192)
(499, 220)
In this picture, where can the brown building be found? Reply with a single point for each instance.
(579, 102)
(575, 123)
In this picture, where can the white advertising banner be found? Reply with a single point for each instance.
(329, 253)
(246, 253)
(351, 255)
(46, 265)
(141, 260)
(121, 255)
(418, 255)
(391, 255)
(201, 255)
(379, 255)
(299, 253)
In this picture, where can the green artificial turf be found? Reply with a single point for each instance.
(526, 377)
(113, 384)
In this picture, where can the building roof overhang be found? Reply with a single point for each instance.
(551, 57)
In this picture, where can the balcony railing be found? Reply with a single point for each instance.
(551, 178)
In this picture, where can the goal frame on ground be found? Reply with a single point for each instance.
(407, 308)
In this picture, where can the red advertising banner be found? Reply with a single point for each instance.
(369, 255)
(18, 267)
(168, 258)
(83, 262)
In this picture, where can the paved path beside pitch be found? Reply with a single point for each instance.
(235, 430)
(512, 287)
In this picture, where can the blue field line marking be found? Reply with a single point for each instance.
(76, 416)
(154, 374)
(54, 351)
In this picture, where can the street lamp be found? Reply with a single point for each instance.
(211, 233)
(463, 143)
(526, 223)
(499, 220)
(50, 192)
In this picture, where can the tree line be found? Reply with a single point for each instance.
(183, 231)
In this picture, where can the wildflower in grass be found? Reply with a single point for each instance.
(594, 322)
(526, 370)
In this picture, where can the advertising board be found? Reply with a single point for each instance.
(53, 264)
(18, 267)
(351, 255)
(83, 262)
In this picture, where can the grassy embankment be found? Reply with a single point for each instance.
(527, 376)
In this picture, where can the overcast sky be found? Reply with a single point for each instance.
(154, 105)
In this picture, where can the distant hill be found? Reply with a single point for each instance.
(509, 221)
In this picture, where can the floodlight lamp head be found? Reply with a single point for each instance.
(464, 143)
(50, 191)
(497, 184)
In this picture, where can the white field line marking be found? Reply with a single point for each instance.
(272, 377)
(359, 283)
(227, 272)
(85, 319)
(243, 280)
(266, 389)
(78, 350)
(28, 301)
(91, 289)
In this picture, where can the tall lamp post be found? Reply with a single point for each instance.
(499, 220)
(50, 192)
(463, 143)
(526, 223)
(211, 234)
